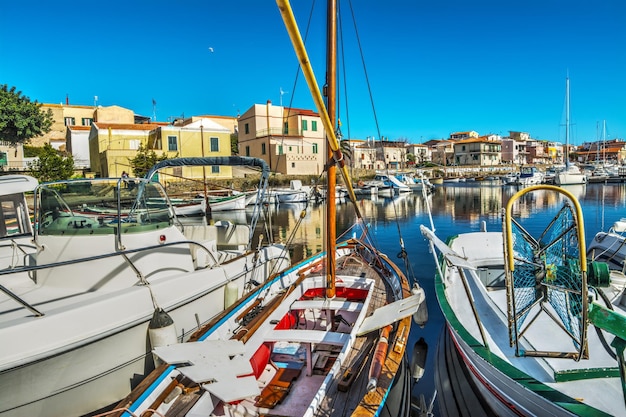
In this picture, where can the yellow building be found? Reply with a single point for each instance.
(290, 140)
(112, 146)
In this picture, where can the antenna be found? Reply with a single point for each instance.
(282, 92)
(95, 101)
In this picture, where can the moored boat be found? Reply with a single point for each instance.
(530, 320)
(571, 174)
(610, 246)
(80, 309)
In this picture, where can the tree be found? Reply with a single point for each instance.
(144, 160)
(52, 165)
(21, 119)
(234, 144)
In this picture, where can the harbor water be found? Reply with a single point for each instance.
(455, 208)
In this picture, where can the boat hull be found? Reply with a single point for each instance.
(291, 196)
(99, 370)
(567, 178)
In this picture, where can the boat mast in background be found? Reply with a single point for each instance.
(331, 100)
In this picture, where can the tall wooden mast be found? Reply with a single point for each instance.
(331, 100)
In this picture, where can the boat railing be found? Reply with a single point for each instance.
(28, 268)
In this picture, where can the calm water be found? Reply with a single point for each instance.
(455, 209)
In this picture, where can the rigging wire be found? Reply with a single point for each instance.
(403, 254)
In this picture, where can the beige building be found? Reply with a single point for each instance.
(12, 157)
(481, 151)
(290, 140)
(66, 115)
(421, 152)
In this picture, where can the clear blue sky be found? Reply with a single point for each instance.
(435, 66)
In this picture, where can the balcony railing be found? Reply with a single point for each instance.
(277, 131)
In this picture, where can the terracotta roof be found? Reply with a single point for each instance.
(79, 127)
(303, 112)
(476, 140)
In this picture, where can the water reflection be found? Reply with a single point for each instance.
(461, 204)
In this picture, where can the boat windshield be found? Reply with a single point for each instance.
(99, 205)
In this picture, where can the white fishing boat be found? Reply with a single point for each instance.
(84, 309)
(571, 174)
(227, 203)
(192, 208)
(538, 331)
(325, 338)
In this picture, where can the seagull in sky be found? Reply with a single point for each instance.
(211, 49)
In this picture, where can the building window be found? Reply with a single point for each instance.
(304, 125)
(247, 128)
(247, 151)
(215, 145)
(87, 121)
(215, 169)
(290, 149)
(280, 149)
(70, 121)
(314, 125)
(172, 145)
(286, 128)
(134, 144)
(3, 159)
(315, 148)
(293, 164)
(262, 149)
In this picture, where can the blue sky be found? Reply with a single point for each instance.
(434, 67)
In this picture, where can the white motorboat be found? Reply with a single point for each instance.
(610, 247)
(84, 299)
(296, 193)
(529, 175)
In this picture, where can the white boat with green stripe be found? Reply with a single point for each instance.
(539, 330)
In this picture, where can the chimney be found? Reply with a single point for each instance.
(67, 99)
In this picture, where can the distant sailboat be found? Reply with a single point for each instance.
(571, 174)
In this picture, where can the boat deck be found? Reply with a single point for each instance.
(301, 355)
(590, 377)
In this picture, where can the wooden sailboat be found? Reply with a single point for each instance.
(325, 338)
